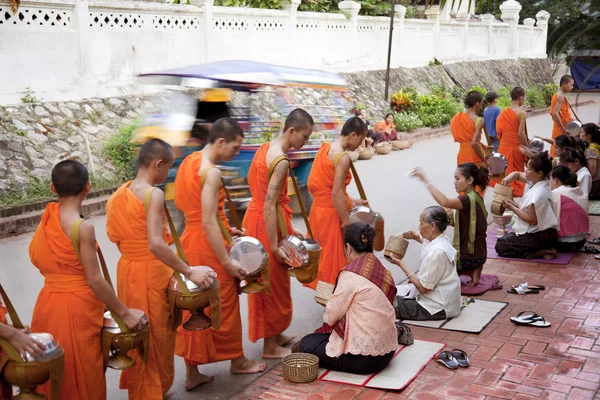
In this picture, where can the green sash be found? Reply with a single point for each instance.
(474, 199)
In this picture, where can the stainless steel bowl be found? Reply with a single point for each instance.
(249, 252)
(111, 325)
(192, 287)
(574, 127)
(296, 250)
(365, 215)
(498, 163)
(536, 145)
(52, 347)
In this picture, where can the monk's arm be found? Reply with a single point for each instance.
(96, 282)
(521, 133)
(210, 222)
(547, 140)
(340, 300)
(555, 113)
(476, 142)
(21, 341)
(202, 277)
(270, 210)
(339, 185)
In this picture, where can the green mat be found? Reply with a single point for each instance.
(594, 208)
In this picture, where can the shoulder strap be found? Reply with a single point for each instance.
(280, 221)
(523, 117)
(12, 353)
(147, 195)
(301, 203)
(573, 111)
(338, 157)
(75, 236)
(276, 161)
(359, 186)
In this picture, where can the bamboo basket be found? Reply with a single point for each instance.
(400, 144)
(501, 193)
(300, 367)
(323, 292)
(383, 148)
(354, 155)
(365, 153)
(396, 246)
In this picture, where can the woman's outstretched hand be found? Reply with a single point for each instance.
(417, 173)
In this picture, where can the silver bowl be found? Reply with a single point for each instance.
(498, 163)
(250, 253)
(536, 145)
(365, 215)
(574, 127)
(52, 347)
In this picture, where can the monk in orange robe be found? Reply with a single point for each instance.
(559, 109)
(270, 315)
(510, 126)
(71, 304)
(200, 195)
(329, 176)
(135, 223)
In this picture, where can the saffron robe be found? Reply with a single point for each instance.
(565, 117)
(142, 282)
(68, 309)
(209, 345)
(463, 129)
(268, 315)
(324, 220)
(507, 126)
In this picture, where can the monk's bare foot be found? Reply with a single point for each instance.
(242, 365)
(282, 340)
(195, 379)
(168, 395)
(275, 352)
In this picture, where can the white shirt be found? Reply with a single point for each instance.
(539, 195)
(438, 274)
(584, 179)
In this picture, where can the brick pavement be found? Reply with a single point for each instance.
(507, 361)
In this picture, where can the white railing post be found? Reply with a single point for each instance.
(399, 20)
(352, 8)
(82, 30)
(530, 23)
(434, 13)
(291, 7)
(207, 12)
(488, 19)
(542, 18)
(510, 14)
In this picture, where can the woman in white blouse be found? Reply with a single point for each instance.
(359, 335)
(577, 163)
(434, 291)
(535, 231)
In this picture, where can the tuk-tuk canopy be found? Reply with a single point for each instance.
(243, 75)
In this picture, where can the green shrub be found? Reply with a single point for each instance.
(407, 121)
(535, 97)
(504, 99)
(479, 89)
(121, 151)
(436, 109)
(548, 91)
(402, 101)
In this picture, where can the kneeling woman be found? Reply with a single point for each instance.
(534, 233)
(359, 335)
(571, 210)
(437, 285)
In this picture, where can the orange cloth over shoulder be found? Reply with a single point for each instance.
(2, 314)
(267, 315)
(383, 126)
(463, 129)
(324, 219)
(565, 117)
(68, 309)
(507, 126)
(142, 282)
(209, 345)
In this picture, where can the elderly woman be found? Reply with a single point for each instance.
(359, 335)
(434, 291)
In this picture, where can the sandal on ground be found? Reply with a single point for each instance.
(590, 250)
(461, 357)
(446, 358)
(526, 286)
(518, 289)
(594, 241)
(533, 319)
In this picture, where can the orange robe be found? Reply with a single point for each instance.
(324, 219)
(267, 315)
(209, 345)
(565, 117)
(142, 282)
(507, 126)
(463, 129)
(68, 309)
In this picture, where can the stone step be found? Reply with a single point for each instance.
(28, 221)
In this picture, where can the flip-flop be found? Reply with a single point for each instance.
(446, 358)
(531, 320)
(590, 250)
(518, 289)
(526, 286)
(594, 241)
(461, 357)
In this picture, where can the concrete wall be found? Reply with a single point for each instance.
(72, 49)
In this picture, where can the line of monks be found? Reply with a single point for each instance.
(511, 127)
(75, 295)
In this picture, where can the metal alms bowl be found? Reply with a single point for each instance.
(536, 145)
(498, 163)
(574, 127)
(111, 325)
(297, 251)
(250, 253)
(52, 347)
(365, 215)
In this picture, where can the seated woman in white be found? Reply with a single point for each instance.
(577, 163)
(434, 291)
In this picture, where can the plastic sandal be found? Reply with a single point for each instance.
(531, 320)
(526, 286)
(590, 250)
(461, 357)
(447, 359)
(518, 289)
(594, 241)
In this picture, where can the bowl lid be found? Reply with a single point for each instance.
(249, 252)
(363, 214)
(311, 244)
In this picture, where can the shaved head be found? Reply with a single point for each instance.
(299, 120)
(226, 128)
(69, 178)
(155, 149)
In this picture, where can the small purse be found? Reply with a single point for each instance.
(405, 336)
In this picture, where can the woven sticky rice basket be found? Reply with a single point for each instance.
(500, 193)
(383, 148)
(353, 155)
(396, 246)
(400, 144)
(323, 292)
(300, 367)
(365, 153)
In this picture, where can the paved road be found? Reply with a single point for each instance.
(397, 197)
